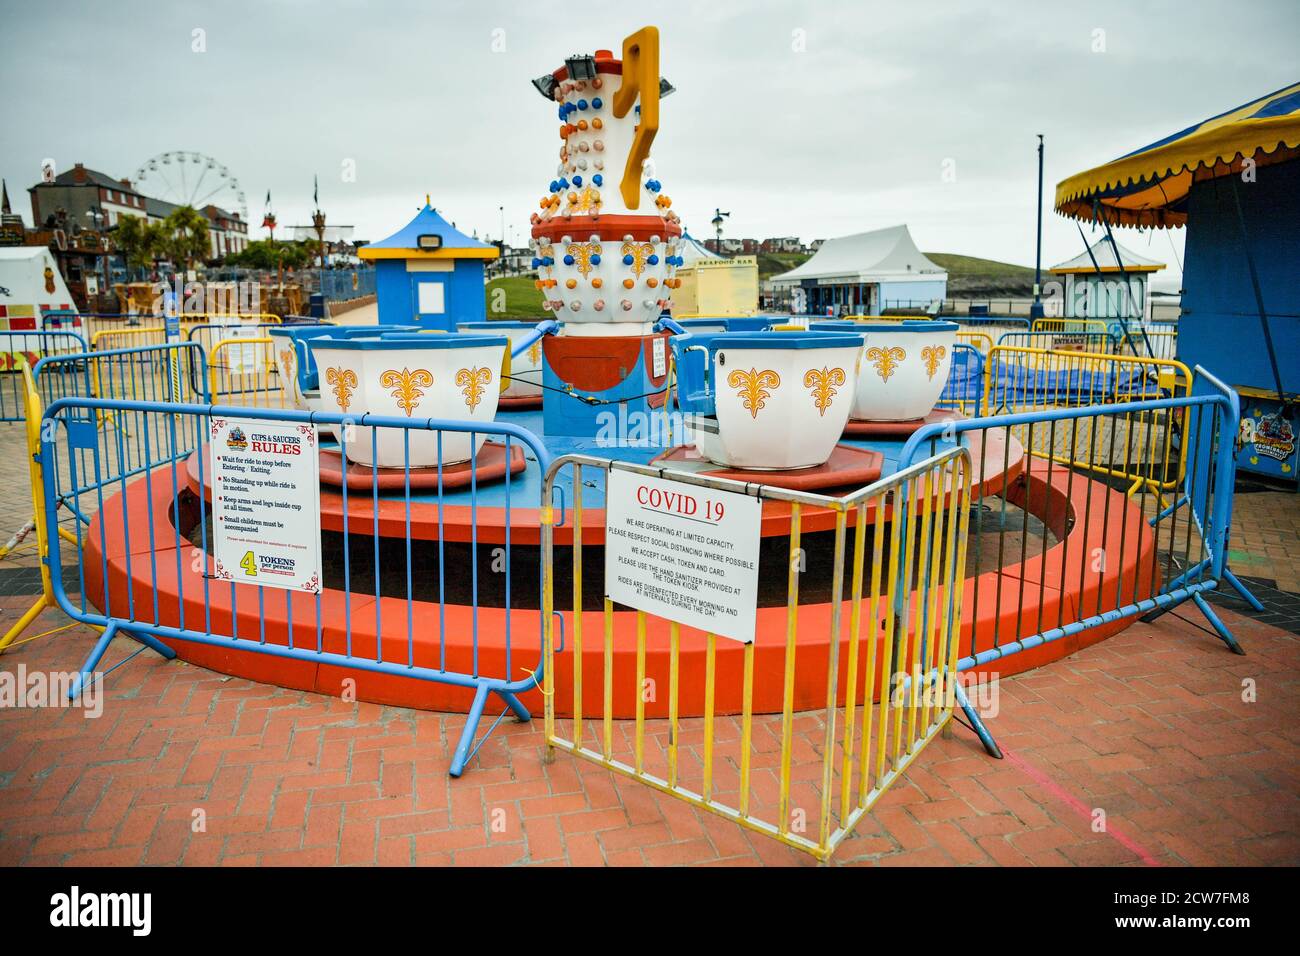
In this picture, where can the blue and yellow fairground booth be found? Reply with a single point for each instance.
(429, 273)
(1234, 182)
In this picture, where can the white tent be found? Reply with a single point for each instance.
(691, 250)
(30, 283)
(866, 257)
(866, 272)
(1104, 253)
(1099, 290)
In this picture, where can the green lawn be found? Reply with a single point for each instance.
(514, 297)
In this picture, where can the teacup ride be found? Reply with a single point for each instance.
(729, 323)
(771, 408)
(448, 376)
(524, 387)
(296, 365)
(904, 368)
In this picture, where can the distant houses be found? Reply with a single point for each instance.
(754, 247)
(98, 202)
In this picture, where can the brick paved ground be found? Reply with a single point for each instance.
(1150, 727)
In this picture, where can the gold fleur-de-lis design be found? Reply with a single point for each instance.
(407, 386)
(825, 384)
(639, 251)
(752, 387)
(582, 253)
(286, 358)
(885, 360)
(472, 383)
(535, 352)
(344, 382)
(932, 355)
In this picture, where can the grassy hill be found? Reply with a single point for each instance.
(774, 263)
(970, 276)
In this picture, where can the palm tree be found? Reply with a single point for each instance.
(187, 231)
(139, 241)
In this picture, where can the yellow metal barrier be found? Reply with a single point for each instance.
(878, 708)
(1137, 447)
(32, 405)
(108, 339)
(205, 318)
(977, 340)
(1071, 326)
(242, 371)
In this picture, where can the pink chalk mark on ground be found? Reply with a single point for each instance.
(1081, 808)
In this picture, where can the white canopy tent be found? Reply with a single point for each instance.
(691, 250)
(1104, 254)
(866, 272)
(1095, 287)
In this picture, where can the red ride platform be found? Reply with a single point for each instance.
(152, 565)
(490, 465)
(847, 467)
(896, 430)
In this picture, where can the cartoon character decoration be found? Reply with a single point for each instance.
(1272, 435)
(49, 279)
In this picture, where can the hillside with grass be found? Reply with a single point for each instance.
(968, 276)
(972, 277)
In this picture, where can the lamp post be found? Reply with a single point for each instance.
(718, 217)
(1036, 311)
(318, 221)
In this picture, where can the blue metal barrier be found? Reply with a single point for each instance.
(152, 373)
(1103, 343)
(1013, 383)
(163, 479)
(28, 348)
(1190, 558)
(964, 390)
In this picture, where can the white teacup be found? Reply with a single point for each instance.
(905, 366)
(781, 399)
(526, 367)
(449, 376)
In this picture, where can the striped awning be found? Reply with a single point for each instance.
(1149, 186)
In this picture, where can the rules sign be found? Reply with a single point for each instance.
(266, 503)
(683, 552)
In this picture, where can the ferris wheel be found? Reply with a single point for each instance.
(192, 179)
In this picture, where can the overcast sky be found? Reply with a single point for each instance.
(813, 119)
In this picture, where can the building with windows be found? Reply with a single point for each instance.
(91, 199)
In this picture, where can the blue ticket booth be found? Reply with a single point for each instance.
(429, 273)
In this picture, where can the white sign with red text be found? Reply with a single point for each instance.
(265, 485)
(682, 552)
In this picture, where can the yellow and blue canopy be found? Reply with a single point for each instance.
(1149, 186)
(405, 243)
